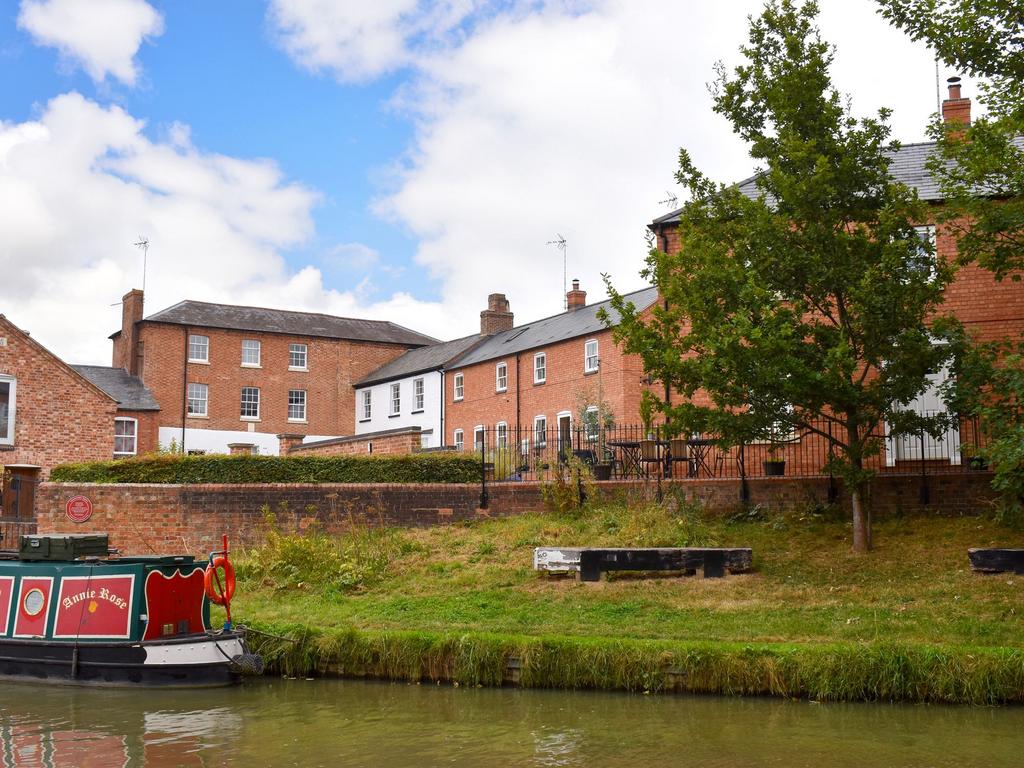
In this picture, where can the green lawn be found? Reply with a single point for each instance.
(916, 587)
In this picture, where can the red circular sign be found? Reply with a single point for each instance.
(78, 509)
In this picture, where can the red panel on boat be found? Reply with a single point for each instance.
(95, 606)
(6, 594)
(30, 618)
(174, 603)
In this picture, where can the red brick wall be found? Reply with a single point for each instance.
(989, 308)
(334, 365)
(398, 441)
(60, 416)
(143, 519)
(620, 382)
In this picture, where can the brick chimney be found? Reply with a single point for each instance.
(956, 109)
(575, 299)
(126, 351)
(496, 317)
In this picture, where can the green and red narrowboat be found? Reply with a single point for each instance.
(71, 611)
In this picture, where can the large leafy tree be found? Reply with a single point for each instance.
(811, 305)
(981, 172)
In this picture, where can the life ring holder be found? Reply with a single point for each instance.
(220, 593)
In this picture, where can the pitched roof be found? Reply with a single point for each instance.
(129, 391)
(203, 314)
(909, 166)
(421, 360)
(561, 327)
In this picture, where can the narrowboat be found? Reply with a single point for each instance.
(72, 611)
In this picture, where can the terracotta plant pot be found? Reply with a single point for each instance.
(775, 468)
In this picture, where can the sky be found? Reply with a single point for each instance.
(394, 160)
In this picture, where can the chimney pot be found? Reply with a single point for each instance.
(956, 109)
(575, 298)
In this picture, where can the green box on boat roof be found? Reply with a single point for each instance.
(64, 547)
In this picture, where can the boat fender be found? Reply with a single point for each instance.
(226, 591)
(247, 663)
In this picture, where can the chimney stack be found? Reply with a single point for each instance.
(956, 109)
(575, 299)
(126, 352)
(497, 317)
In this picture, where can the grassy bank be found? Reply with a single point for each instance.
(908, 622)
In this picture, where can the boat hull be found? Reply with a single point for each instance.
(190, 662)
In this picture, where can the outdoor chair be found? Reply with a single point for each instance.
(679, 453)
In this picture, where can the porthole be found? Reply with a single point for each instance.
(34, 602)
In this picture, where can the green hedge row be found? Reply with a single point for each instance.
(409, 468)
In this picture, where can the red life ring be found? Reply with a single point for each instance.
(211, 582)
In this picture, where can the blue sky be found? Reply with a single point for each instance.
(399, 159)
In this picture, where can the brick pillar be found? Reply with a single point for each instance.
(242, 449)
(288, 442)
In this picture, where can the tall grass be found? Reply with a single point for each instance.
(834, 672)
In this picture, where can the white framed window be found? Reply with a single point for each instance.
(460, 439)
(8, 398)
(396, 399)
(478, 437)
(250, 403)
(250, 353)
(591, 422)
(417, 395)
(296, 405)
(198, 400)
(540, 368)
(367, 405)
(460, 388)
(298, 357)
(501, 377)
(125, 436)
(929, 257)
(540, 431)
(198, 348)
(590, 359)
(501, 434)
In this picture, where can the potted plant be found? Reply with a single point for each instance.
(596, 419)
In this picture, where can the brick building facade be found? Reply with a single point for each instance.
(51, 413)
(225, 374)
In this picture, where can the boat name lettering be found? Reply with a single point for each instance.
(103, 594)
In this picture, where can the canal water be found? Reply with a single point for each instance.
(352, 723)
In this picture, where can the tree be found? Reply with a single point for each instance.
(812, 304)
(981, 172)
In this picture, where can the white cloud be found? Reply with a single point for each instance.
(101, 36)
(542, 117)
(82, 182)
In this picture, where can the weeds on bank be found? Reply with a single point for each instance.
(315, 561)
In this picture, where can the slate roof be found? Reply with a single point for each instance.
(909, 166)
(421, 360)
(203, 314)
(540, 333)
(129, 391)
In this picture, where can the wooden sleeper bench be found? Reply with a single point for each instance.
(997, 560)
(591, 562)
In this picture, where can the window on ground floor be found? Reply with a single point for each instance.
(478, 437)
(460, 439)
(125, 436)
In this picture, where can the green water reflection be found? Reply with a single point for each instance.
(311, 723)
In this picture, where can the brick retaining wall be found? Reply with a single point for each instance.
(150, 518)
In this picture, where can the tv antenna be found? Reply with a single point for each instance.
(561, 244)
(143, 245)
(670, 200)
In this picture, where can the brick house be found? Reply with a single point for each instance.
(525, 381)
(225, 374)
(988, 308)
(409, 391)
(52, 413)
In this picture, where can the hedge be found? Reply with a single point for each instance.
(408, 468)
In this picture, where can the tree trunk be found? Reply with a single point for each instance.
(861, 520)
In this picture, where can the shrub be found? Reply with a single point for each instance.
(409, 468)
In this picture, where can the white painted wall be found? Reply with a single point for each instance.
(381, 419)
(217, 440)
